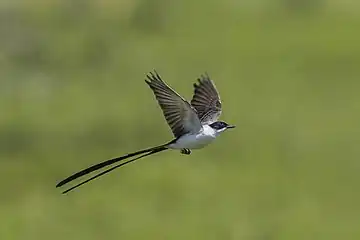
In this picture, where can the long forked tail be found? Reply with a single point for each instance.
(148, 151)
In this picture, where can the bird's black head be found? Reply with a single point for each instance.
(220, 125)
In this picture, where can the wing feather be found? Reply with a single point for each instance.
(206, 100)
(179, 114)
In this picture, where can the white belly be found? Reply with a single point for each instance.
(199, 140)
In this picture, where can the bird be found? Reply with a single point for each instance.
(194, 124)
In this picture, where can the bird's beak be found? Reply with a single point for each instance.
(231, 126)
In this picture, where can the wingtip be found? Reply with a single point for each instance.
(150, 77)
(153, 76)
(157, 74)
(205, 77)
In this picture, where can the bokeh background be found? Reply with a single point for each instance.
(72, 93)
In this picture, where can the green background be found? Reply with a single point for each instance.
(72, 93)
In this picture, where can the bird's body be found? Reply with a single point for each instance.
(194, 124)
(195, 141)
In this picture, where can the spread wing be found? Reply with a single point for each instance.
(206, 100)
(179, 114)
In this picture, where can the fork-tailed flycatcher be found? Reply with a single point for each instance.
(193, 124)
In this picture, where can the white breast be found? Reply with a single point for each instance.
(195, 141)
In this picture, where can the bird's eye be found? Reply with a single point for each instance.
(218, 125)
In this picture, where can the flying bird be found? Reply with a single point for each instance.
(194, 124)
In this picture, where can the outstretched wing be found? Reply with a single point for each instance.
(206, 100)
(179, 114)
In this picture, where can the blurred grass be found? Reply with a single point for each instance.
(72, 94)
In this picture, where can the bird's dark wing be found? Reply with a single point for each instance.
(206, 100)
(179, 114)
